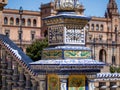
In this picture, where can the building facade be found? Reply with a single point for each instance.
(31, 26)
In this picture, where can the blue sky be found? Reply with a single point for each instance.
(93, 7)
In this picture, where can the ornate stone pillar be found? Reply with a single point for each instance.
(34, 85)
(15, 75)
(3, 66)
(21, 79)
(63, 84)
(28, 82)
(9, 73)
(91, 85)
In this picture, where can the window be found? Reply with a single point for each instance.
(19, 35)
(11, 21)
(34, 22)
(102, 55)
(87, 27)
(23, 22)
(102, 84)
(7, 33)
(90, 37)
(92, 27)
(97, 27)
(17, 21)
(46, 33)
(101, 27)
(112, 84)
(32, 35)
(100, 37)
(5, 20)
(113, 60)
(29, 22)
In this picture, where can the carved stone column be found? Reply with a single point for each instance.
(9, 73)
(15, 75)
(34, 85)
(28, 82)
(21, 79)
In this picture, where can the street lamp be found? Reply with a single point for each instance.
(20, 31)
(94, 42)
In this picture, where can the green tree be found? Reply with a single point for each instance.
(34, 51)
(118, 69)
(112, 69)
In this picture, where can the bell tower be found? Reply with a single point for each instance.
(2, 4)
(112, 9)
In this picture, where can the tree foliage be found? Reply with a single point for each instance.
(114, 69)
(34, 51)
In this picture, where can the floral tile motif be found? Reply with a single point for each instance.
(53, 82)
(77, 82)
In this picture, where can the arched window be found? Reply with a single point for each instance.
(97, 27)
(102, 55)
(92, 27)
(29, 22)
(34, 22)
(17, 21)
(32, 35)
(11, 21)
(101, 27)
(23, 22)
(5, 20)
(45, 33)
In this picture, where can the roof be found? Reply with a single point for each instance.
(69, 47)
(82, 62)
(67, 66)
(68, 15)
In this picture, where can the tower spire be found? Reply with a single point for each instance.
(112, 9)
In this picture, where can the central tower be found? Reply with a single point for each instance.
(66, 27)
(66, 34)
(66, 62)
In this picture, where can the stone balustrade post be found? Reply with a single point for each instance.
(28, 82)
(15, 75)
(9, 73)
(3, 69)
(34, 85)
(21, 79)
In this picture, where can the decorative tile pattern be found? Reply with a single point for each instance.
(76, 82)
(55, 35)
(52, 54)
(75, 36)
(77, 54)
(53, 82)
